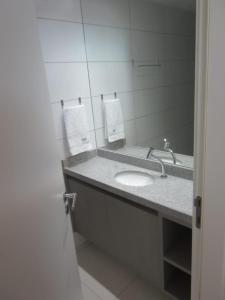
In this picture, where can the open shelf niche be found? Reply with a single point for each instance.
(177, 249)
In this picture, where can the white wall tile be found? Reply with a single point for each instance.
(179, 47)
(130, 132)
(148, 16)
(175, 72)
(184, 95)
(151, 101)
(106, 12)
(110, 77)
(127, 102)
(62, 41)
(157, 124)
(147, 77)
(68, 10)
(149, 126)
(180, 22)
(58, 116)
(67, 81)
(147, 46)
(107, 43)
(98, 110)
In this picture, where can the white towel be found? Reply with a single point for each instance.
(77, 129)
(114, 121)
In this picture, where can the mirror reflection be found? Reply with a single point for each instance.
(142, 80)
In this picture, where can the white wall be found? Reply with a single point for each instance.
(63, 47)
(89, 50)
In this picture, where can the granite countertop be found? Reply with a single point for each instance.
(171, 196)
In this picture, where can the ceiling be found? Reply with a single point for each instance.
(181, 4)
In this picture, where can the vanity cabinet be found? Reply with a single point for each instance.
(127, 231)
(152, 245)
(136, 238)
(90, 217)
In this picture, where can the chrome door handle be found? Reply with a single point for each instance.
(70, 202)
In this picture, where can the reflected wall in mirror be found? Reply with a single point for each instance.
(145, 51)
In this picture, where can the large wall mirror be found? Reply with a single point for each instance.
(148, 59)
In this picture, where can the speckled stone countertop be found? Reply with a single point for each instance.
(171, 196)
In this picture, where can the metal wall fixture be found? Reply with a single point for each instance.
(79, 100)
(156, 64)
(115, 96)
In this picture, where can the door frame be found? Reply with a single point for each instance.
(201, 64)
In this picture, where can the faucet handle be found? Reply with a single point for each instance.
(166, 144)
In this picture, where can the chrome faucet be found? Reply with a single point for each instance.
(151, 155)
(168, 149)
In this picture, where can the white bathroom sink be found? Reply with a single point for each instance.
(134, 178)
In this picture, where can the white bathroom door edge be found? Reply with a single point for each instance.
(199, 138)
(208, 267)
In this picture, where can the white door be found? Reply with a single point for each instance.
(213, 214)
(37, 255)
(209, 242)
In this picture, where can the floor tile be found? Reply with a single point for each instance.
(89, 294)
(102, 274)
(140, 290)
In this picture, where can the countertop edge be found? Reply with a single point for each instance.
(163, 210)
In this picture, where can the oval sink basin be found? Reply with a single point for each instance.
(134, 178)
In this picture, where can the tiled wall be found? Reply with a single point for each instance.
(95, 47)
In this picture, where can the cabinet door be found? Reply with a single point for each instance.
(91, 216)
(136, 238)
(124, 230)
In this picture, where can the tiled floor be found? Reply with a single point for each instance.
(103, 278)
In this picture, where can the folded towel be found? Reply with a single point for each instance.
(77, 129)
(114, 122)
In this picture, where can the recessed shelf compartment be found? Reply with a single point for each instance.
(177, 245)
(177, 283)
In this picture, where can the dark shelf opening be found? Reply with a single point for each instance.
(177, 245)
(176, 282)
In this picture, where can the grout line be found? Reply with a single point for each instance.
(184, 125)
(58, 20)
(185, 83)
(167, 109)
(173, 60)
(116, 27)
(88, 70)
